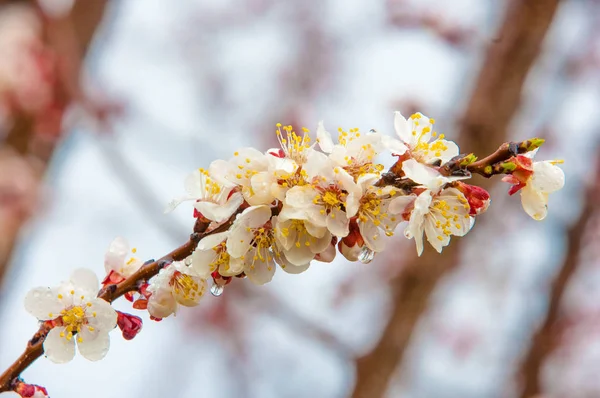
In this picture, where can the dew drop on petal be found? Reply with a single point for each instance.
(188, 261)
(217, 290)
(366, 255)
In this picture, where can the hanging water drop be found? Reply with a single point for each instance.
(217, 290)
(188, 261)
(366, 255)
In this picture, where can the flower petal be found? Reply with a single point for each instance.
(337, 223)
(114, 258)
(59, 349)
(402, 127)
(43, 303)
(101, 315)
(96, 348)
(220, 212)
(86, 280)
(547, 177)
(324, 138)
(259, 272)
(535, 203)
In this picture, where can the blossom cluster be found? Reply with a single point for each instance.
(289, 206)
(307, 200)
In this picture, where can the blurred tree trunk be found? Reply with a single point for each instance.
(492, 105)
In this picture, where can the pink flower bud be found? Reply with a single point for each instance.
(129, 324)
(478, 198)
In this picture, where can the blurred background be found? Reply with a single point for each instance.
(106, 106)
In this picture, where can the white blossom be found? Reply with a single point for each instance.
(252, 240)
(175, 285)
(416, 134)
(300, 239)
(330, 199)
(374, 213)
(78, 315)
(115, 259)
(211, 255)
(355, 152)
(546, 179)
(437, 212)
(215, 200)
(240, 170)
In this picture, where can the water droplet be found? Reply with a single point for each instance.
(188, 261)
(366, 255)
(217, 290)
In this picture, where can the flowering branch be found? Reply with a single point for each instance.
(35, 349)
(285, 208)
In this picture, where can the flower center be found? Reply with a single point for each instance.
(185, 287)
(449, 215)
(294, 146)
(210, 187)
(289, 180)
(303, 238)
(72, 319)
(222, 258)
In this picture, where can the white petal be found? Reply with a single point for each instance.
(239, 241)
(299, 256)
(324, 139)
(236, 266)
(210, 241)
(94, 349)
(350, 253)
(399, 204)
(220, 212)
(316, 231)
(372, 236)
(257, 271)
(318, 165)
(337, 223)
(421, 174)
(402, 127)
(327, 255)
(451, 151)
(59, 349)
(194, 184)
(291, 268)
(43, 303)
(114, 258)
(346, 181)
(396, 147)
(434, 235)
(366, 181)
(547, 177)
(352, 204)
(534, 202)
(162, 304)
(300, 197)
(202, 261)
(255, 216)
(85, 279)
(106, 316)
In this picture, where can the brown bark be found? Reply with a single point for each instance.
(493, 104)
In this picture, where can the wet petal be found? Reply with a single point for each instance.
(59, 349)
(43, 303)
(96, 348)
